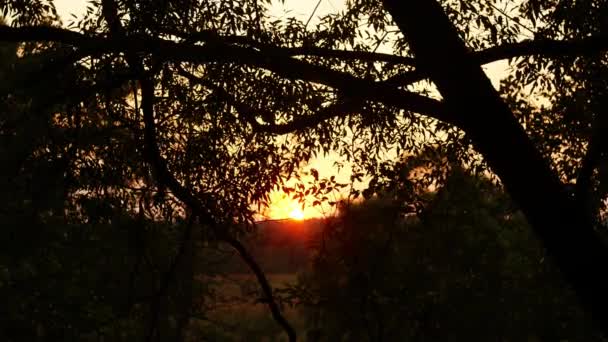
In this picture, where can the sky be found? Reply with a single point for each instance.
(67, 7)
(282, 206)
(300, 8)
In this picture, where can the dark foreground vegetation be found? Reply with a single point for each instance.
(138, 141)
(374, 274)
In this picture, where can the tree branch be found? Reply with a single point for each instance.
(364, 56)
(148, 44)
(276, 61)
(544, 47)
(303, 122)
(201, 208)
(293, 68)
(565, 231)
(539, 47)
(249, 114)
(284, 66)
(166, 179)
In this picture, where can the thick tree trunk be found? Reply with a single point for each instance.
(565, 231)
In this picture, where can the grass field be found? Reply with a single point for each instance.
(281, 249)
(239, 316)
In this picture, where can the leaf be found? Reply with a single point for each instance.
(315, 174)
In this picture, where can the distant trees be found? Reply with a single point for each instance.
(463, 266)
(174, 110)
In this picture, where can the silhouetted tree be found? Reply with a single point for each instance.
(463, 266)
(204, 88)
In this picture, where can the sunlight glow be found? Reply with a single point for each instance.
(297, 214)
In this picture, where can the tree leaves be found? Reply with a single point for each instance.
(75, 133)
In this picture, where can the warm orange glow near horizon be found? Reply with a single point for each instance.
(282, 206)
(297, 214)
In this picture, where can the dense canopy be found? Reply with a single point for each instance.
(181, 116)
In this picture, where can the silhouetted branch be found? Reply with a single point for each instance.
(405, 78)
(567, 234)
(198, 207)
(166, 179)
(303, 122)
(109, 11)
(364, 56)
(539, 47)
(174, 51)
(274, 59)
(249, 114)
(544, 47)
(213, 52)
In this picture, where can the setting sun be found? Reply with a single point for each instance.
(297, 214)
(283, 207)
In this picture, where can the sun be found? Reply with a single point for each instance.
(282, 207)
(297, 214)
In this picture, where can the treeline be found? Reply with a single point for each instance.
(465, 266)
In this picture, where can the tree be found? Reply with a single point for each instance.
(503, 142)
(382, 272)
(77, 261)
(235, 79)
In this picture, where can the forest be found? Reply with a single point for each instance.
(141, 142)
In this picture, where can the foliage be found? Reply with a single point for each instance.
(82, 256)
(464, 268)
(571, 91)
(236, 101)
